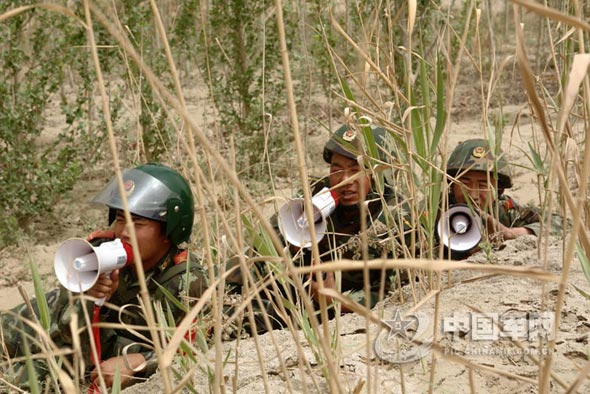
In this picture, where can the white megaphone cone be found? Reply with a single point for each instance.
(78, 263)
(459, 228)
(293, 219)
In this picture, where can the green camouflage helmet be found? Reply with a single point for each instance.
(475, 155)
(155, 192)
(347, 142)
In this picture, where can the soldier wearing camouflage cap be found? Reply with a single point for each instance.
(162, 209)
(352, 179)
(351, 152)
(479, 179)
(357, 156)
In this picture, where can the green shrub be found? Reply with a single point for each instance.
(34, 173)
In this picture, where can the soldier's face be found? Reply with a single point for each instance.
(151, 240)
(353, 183)
(475, 187)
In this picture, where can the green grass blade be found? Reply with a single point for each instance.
(171, 298)
(536, 160)
(31, 372)
(441, 115)
(346, 89)
(260, 239)
(582, 292)
(116, 387)
(45, 316)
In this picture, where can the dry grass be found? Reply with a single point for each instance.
(370, 90)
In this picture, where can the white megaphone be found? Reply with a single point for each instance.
(459, 228)
(78, 263)
(293, 219)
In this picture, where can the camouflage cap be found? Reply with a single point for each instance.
(476, 155)
(347, 142)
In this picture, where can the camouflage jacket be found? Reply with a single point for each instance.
(178, 275)
(512, 215)
(387, 234)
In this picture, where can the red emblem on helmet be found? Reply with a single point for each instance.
(478, 152)
(349, 135)
(129, 187)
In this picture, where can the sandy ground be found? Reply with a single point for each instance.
(470, 293)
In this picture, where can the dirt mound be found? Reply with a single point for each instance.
(467, 309)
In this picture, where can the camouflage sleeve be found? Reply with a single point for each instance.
(61, 313)
(15, 332)
(183, 284)
(528, 217)
(555, 229)
(534, 227)
(151, 362)
(515, 215)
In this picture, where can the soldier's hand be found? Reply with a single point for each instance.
(109, 234)
(105, 286)
(127, 366)
(328, 280)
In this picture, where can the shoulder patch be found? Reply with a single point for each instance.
(181, 257)
(508, 204)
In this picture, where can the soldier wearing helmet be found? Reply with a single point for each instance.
(479, 178)
(161, 205)
(358, 158)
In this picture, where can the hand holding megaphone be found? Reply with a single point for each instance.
(78, 264)
(293, 222)
(459, 228)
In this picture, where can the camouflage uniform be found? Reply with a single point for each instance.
(171, 274)
(154, 192)
(512, 214)
(387, 222)
(476, 155)
(387, 219)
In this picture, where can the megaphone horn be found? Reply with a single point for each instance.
(78, 263)
(293, 221)
(459, 228)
